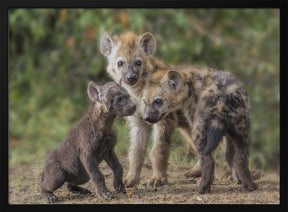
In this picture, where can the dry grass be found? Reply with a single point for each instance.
(24, 189)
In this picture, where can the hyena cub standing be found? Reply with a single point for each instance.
(76, 159)
(216, 104)
(131, 60)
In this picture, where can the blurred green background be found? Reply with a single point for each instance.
(54, 53)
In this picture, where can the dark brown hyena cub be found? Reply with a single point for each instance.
(75, 161)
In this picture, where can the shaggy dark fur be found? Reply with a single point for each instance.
(215, 104)
(75, 161)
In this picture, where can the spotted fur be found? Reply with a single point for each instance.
(215, 104)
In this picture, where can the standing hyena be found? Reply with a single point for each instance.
(216, 104)
(130, 62)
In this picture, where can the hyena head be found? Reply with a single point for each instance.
(114, 98)
(127, 55)
(164, 92)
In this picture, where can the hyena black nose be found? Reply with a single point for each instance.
(132, 78)
(133, 108)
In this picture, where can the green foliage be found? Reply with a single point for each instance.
(53, 53)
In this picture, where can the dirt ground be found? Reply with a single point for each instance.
(24, 189)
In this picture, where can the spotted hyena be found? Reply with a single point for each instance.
(75, 161)
(130, 62)
(215, 104)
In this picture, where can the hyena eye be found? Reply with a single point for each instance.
(158, 101)
(120, 64)
(138, 63)
(118, 99)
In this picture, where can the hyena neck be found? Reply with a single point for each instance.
(135, 90)
(199, 78)
(100, 118)
(153, 64)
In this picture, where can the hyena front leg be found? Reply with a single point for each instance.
(139, 136)
(162, 134)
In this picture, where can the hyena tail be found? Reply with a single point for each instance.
(214, 134)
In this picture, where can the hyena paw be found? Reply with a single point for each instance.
(203, 190)
(129, 182)
(157, 181)
(251, 187)
(192, 173)
(103, 192)
(119, 187)
(50, 197)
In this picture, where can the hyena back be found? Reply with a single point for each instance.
(215, 104)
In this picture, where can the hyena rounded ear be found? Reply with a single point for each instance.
(93, 92)
(148, 43)
(174, 80)
(106, 44)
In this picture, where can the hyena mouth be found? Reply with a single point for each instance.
(153, 120)
(131, 82)
(162, 116)
(131, 110)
